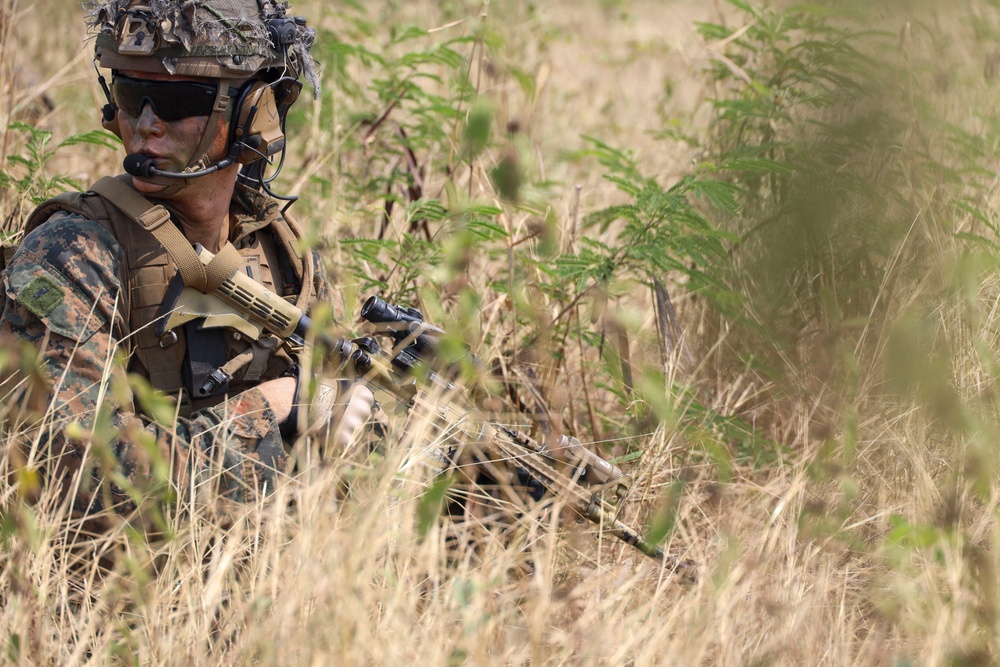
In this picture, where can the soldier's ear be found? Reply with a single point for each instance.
(109, 119)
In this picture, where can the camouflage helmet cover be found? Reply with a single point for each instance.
(230, 39)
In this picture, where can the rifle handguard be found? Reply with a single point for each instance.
(239, 302)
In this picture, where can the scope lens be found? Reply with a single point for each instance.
(375, 310)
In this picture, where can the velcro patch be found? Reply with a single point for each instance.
(41, 295)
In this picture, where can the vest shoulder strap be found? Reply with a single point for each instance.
(81, 203)
(289, 235)
(144, 278)
(155, 219)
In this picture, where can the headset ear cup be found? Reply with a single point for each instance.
(109, 120)
(258, 124)
(286, 93)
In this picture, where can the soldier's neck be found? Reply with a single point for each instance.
(203, 214)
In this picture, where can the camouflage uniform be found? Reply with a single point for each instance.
(63, 289)
(84, 288)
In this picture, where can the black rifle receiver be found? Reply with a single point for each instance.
(411, 336)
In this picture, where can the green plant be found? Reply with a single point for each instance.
(810, 89)
(660, 232)
(28, 174)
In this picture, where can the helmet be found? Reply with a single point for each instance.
(207, 38)
(252, 47)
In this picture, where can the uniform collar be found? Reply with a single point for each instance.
(251, 211)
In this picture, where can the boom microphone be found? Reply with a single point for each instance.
(143, 166)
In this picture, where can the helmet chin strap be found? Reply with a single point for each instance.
(221, 111)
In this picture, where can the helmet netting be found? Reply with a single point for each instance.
(204, 27)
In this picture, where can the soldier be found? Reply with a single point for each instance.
(197, 89)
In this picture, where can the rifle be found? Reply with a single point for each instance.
(595, 490)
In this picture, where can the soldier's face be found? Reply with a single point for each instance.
(171, 144)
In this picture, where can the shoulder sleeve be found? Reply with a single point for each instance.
(65, 275)
(63, 287)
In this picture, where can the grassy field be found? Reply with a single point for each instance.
(813, 192)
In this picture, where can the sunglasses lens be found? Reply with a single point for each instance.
(171, 100)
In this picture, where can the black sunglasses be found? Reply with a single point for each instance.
(171, 100)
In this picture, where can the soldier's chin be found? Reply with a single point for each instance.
(150, 185)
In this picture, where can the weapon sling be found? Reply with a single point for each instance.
(155, 219)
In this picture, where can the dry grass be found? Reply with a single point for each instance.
(799, 562)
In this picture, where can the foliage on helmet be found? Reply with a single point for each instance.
(210, 38)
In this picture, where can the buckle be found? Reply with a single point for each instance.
(154, 217)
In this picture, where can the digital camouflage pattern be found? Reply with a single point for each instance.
(61, 291)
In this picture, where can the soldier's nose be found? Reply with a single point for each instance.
(148, 122)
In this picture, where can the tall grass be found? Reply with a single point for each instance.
(777, 311)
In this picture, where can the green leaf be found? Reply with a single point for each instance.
(720, 193)
(431, 503)
(14, 648)
(906, 535)
(477, 129)
(407, 33)
(94, 138)
(486, 229)
(427, 209)
(665, 519)
(154, 404)
(506, 177)
(628, 458)
(755, 165)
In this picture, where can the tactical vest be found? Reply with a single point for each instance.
(267, 242)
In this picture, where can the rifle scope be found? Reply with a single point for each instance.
(378, 311)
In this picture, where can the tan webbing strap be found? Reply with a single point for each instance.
(225, 263)
(156, 220)
(289, 233)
